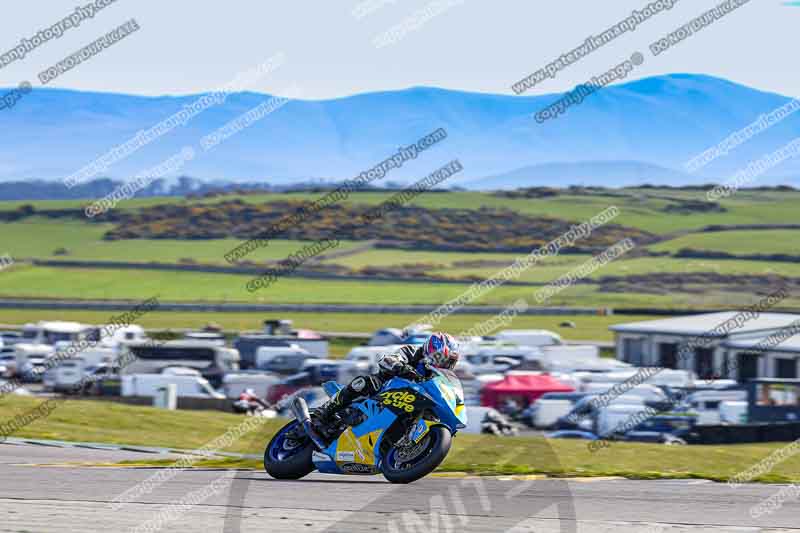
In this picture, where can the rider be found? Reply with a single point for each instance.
(440, 351)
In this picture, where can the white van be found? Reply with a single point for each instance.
(733, 413)
(235, 384)
(65, 376)
(187, 386)
(547, 412)
(707, 404)
(616, 416)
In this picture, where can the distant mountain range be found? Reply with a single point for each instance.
(639, 132)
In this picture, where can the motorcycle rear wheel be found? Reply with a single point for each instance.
(423, 463)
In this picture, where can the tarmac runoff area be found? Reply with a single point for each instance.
(47, 489)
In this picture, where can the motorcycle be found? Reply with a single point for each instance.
(403, 433)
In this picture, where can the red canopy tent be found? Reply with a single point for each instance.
(527, 388)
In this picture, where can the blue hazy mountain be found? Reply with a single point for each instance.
(649, 127)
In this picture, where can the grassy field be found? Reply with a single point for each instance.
(547, 272)
(588, 327)
(97, 421)
(38, 238)
(738, 242)
(642, 208)
(28, 281)
(45, 282)
(388, 257)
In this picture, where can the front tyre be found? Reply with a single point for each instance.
(404, 465)
(287, 457)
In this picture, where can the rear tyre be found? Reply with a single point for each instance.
(288, 458)
(435, 446)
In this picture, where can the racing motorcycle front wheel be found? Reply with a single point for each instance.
(288, 454)
(410, 463)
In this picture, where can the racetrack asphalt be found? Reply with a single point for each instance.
(46, 489)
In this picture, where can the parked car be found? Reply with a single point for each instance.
(260, 382)
(386, 337)
(679, 426)
(369, 355)
(492, 360)
(209, 336)
(544, 413)
(279, 333)
(289, 386)
(282, 360)
(654, 437)
(8, 361)
(571, 434)
(529, 337)
(10, 338)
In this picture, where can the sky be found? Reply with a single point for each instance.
(188, 46)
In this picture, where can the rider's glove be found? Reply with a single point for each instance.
(391, 365)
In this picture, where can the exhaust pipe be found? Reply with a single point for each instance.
(300, 411)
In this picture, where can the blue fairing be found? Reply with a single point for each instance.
(358, 448)
(445, 391)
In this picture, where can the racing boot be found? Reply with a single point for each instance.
(328, 410)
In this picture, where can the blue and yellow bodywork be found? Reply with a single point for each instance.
(357, 450)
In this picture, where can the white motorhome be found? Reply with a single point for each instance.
(576, 358)
(529, 337)
(707, 403)
(148, 385)
(104, 350)
(119, 335)
(25, 352)
(213, 361)
(50, 332)
(66, 373)
(369, 355)
(644, 391)
(662, 378)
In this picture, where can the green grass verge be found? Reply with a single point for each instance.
(97, 421)
(116, 423)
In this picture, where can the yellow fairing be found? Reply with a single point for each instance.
(361, 450)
